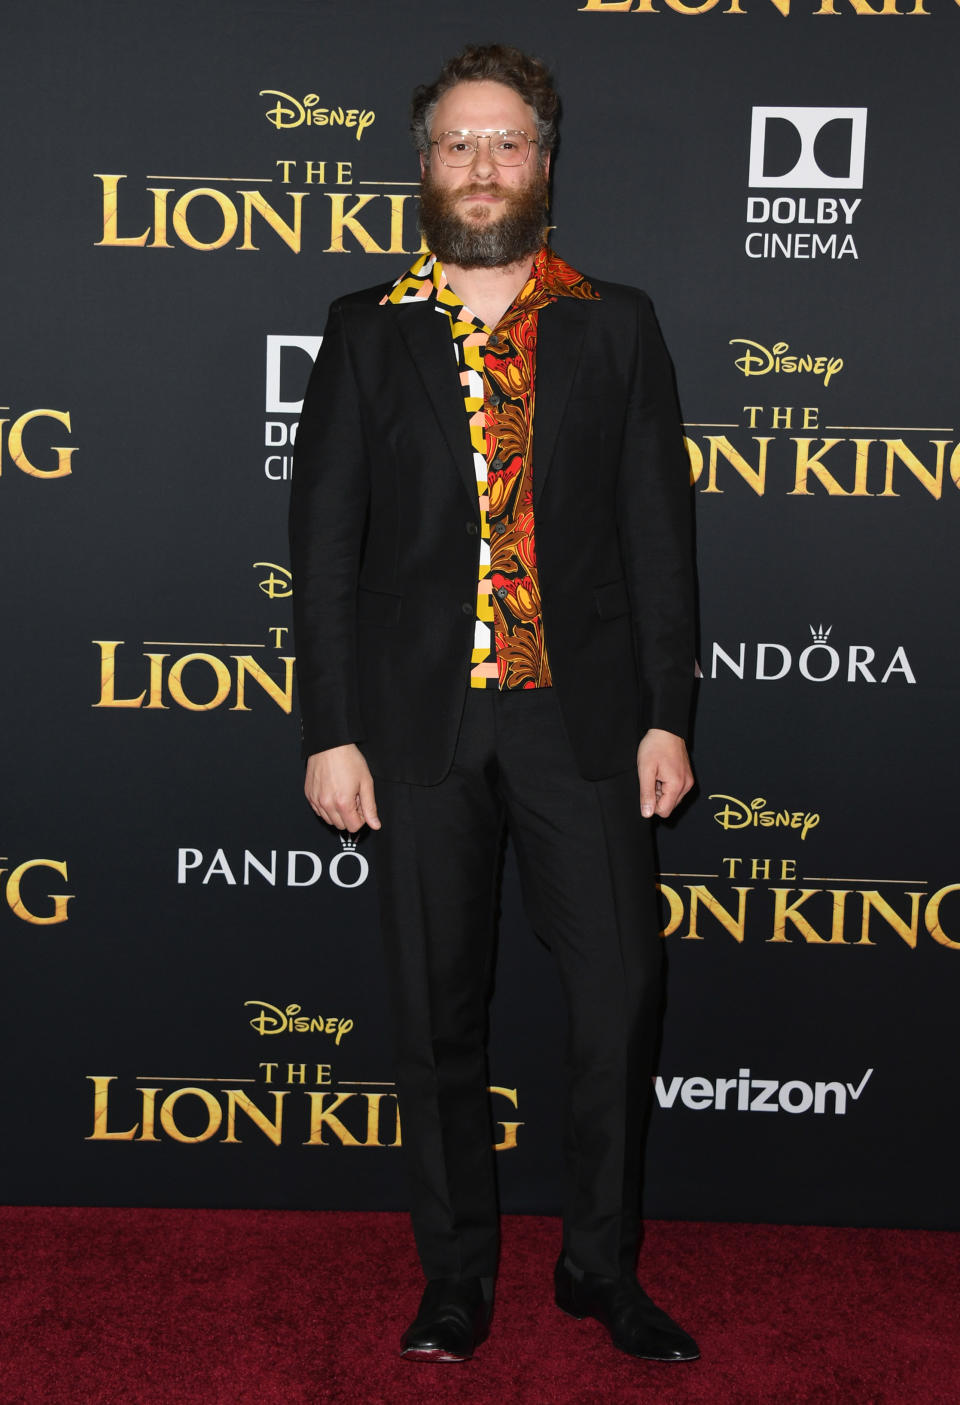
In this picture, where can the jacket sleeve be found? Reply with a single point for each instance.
(657, 536)
(328, 511)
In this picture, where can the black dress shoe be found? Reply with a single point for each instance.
(636, 1325)
(453, 1319)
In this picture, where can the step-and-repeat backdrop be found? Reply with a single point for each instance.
(194, 1009)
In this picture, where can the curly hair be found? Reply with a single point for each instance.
(497, 63)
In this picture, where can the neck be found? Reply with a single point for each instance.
(488, 291)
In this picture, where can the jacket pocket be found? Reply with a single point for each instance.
(612, 600)
(378, 607)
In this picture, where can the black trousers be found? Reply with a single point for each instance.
(584, 854)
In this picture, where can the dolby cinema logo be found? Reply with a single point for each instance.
(808, 162)
(288, 365)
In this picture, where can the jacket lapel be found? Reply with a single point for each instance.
(560, 332)
(426, 334)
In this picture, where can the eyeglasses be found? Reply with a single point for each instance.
(506, 148)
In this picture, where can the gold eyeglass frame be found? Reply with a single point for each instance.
(489, 135)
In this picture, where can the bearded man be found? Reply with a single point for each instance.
(494, 622)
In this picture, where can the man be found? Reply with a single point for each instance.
(493, 613)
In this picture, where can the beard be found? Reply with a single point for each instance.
(484, 242)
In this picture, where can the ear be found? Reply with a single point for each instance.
(546, 165)
(423, 166)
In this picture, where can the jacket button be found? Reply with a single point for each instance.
(468, 609)
(471, 529)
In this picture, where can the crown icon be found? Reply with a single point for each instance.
(348, 842)
(820, 635)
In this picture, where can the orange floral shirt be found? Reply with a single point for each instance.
(498, 377)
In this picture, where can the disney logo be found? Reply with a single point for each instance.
(278, 585)
(271, 1019)
(744, 814)
(757, 360)
(289, 111)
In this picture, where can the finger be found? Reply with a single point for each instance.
(647, 773)
(668, 797)
(351, 815)
(368, 804)
(672, 789)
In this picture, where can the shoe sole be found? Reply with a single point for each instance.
(416, 1353)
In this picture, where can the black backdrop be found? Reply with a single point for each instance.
(166, 896)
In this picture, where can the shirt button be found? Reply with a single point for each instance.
(468, 609)
(471, 529)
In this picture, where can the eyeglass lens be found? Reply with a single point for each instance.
(506, 148)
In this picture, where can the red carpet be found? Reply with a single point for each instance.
(218, 1307)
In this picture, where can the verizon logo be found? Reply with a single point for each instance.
(747, 1094)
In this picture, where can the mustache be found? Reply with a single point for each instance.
(483, 188)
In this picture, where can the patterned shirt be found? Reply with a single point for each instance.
(498, 377)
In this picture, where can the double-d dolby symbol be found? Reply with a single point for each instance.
(814, 133)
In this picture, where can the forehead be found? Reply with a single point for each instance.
(476, 106)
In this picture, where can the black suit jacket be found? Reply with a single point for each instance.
(384, 528)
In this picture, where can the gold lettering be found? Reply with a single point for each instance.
(108, 697)
(159, 240)
(101, 1093)
(397, 203)
(110, 236)
(237, 1099)
(182, 228)
(897, 449)
(19, 907)
(156, 680)
(373, 1117)
(322, 1115)
(282, 696)
(289, 233)
(863, 7)
(608, 7)
(342, 219)
(736, 926)
(214, 1115)
(785, 912)
(175, 684)
(675, 906)
(64, 454)
(149, 1098)
(872, 901)
(509, 1139)
(782, 5)
(931, 917)
(755, 477)
(807, 462)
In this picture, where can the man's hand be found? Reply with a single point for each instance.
(664, 770)
(339, 788)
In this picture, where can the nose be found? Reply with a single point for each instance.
(483, 163)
